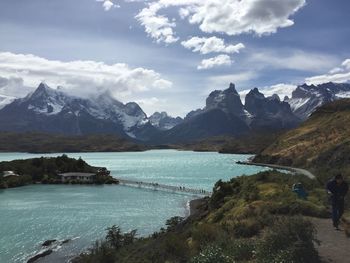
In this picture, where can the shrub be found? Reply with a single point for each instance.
(212, 254)
(176, 247)
(242, 249)
(246, 228)
(116, 239)
(205, 234)
(173, 222)
(290, 239)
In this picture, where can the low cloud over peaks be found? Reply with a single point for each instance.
(76, 77)
(338, 74)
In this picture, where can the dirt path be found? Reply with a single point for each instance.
(335, 246)
(288, 168)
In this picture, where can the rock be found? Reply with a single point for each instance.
(227, 100)
(48, 242)
(66, 241)
(40, 255)
(269, 114)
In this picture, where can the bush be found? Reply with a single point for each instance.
(288, 240)
(242, 249)
(212, 254)
(246, 228)
(175, 247)
(173, 222)
(116, 239)
(205, 234)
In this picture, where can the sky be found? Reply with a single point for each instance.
(168, 55)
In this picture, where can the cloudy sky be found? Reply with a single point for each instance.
(169, 54)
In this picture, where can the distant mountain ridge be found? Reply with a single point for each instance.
(225, 114)
(53, 111)
(50, 110)
(307, 98)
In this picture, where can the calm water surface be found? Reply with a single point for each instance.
(32, 214)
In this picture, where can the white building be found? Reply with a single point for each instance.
(82, 177)
(9, 174)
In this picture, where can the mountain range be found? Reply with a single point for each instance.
(307, 98)
(50, 110)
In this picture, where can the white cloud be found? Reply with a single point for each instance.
(281, 90)
(13, 86)
(240, 79)
(231, 17)
(292, 59)
(108, 4)
(157, 26)
(220, 60)
(212, 44)
(338, 74)
(234, 17)
(25, 72)
(346, 63)
(336, 70)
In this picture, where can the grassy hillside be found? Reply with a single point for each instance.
(321, 144)
(248, 219)
(39, 142)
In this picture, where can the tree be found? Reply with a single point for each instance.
(114, 237)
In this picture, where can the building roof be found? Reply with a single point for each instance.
(9, 173)
(77, 174)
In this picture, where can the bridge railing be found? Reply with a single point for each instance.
(158, 186)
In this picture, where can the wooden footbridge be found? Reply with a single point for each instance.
(164, 187)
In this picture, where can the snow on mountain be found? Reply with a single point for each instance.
(297, 103)
(47, 101)
(104, 109)
(5, 100)
(307, 98)
(130, 115)
(163, 121)
(227, 100)
(343, 95)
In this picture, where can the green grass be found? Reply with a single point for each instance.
(248, 219)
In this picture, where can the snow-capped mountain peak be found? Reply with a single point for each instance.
(307, 98)
(100, 111)
(45, 100)
(163, 121)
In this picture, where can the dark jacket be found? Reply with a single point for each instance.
(338, 191)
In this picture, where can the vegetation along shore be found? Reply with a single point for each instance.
(57, 170)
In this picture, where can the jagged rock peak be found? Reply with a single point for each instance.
(227, 100)
(42, 89)
(163, 121)
(231, 89)
(274, 97)
(255, 93)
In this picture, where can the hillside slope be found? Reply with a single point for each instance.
(247, 219)
(322, 143)
(41, 142)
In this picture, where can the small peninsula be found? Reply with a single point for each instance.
(54, 170)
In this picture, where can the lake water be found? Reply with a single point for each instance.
(32, 214)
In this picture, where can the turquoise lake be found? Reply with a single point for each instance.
(32, 214)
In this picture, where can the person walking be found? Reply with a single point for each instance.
(337, 188)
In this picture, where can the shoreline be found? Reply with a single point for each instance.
(294, 170)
